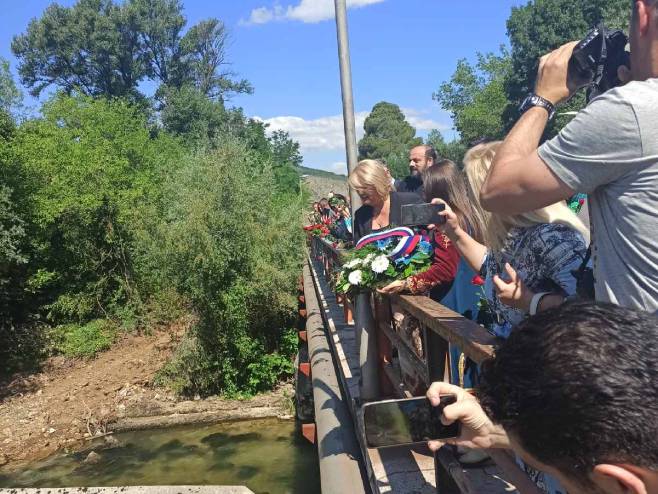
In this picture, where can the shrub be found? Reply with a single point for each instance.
(74, 340)
(233, 246)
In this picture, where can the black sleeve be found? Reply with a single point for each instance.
(357, 227)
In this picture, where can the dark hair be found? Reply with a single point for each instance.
(444, 180)
(430, 153)
(577, 386)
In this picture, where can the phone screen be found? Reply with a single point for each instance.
(414, 420)
(422, 214)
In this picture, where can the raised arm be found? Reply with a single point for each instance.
(519, 180)
(470, 249)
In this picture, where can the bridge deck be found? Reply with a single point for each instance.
(406, 469)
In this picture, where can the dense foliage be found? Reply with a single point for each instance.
(103, 47)
(388, 137)
(122, 213)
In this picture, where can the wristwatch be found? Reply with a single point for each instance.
(535, 100)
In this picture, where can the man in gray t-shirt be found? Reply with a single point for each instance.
(610, 151)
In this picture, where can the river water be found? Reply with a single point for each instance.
(268, 456)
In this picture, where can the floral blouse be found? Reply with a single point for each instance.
(442, 271)
(544, 256)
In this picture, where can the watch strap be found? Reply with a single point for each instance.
(534, 304)
(534, 100)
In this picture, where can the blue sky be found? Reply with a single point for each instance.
(402, 50)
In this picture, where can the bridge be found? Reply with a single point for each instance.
(385, 347)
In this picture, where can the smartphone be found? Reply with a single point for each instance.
(422, 214)
(413, 420)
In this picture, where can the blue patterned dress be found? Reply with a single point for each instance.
(544, 256)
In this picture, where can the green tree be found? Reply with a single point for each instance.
(204, 56)
(90, 47)
(453, 150)
(10, 96)
(232, 245)
(190, 114)
(389, 137)
(543, 25)
(159, 24)
(89, 166)
(106, 48)
(475, 96)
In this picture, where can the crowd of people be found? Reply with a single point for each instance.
(573, 390)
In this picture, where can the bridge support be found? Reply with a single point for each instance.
(366, 338)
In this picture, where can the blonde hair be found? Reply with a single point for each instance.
(371, 175)
(497, 226)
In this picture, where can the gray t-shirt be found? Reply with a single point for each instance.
(610, 151)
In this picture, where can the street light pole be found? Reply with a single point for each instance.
(348, 98)
(364, 322)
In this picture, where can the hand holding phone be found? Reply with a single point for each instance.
(414, 420)
(477, 430)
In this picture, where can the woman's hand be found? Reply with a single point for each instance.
(477, 430)
(395, 287)
(513, 293)
(451, 227)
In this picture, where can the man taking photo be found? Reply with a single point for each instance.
(609, 151)
(574, 393)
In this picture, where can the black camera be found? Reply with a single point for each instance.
(597, 58)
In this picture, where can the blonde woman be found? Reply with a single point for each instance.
(382, 207)
(528, 259)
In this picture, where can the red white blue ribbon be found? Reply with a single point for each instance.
(393, 232)
(407, 242)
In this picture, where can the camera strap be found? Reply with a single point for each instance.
(600, 69)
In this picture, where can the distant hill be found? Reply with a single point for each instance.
(321, 182)
(320, 173)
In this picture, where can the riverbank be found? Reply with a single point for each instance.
(71, 401)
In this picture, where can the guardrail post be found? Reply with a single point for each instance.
(365, 328)
(437, 351)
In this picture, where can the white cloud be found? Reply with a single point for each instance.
(307, 11)
(327, 134)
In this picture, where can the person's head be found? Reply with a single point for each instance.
(477, 162)
(644, 39)
(372, 182)
(444, 180)
(420, 159)
(324, 204)
(338, 202)
(316, 207)
(576, 390)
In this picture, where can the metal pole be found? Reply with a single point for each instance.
(348, 98)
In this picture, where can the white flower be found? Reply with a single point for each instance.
(380, 264)
(353, 264)
(356, 277)
(369, 258)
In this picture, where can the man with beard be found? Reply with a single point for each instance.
(420, 159)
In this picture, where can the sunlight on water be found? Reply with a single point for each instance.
(268, 456)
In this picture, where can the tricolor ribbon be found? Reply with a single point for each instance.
(406, 244)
